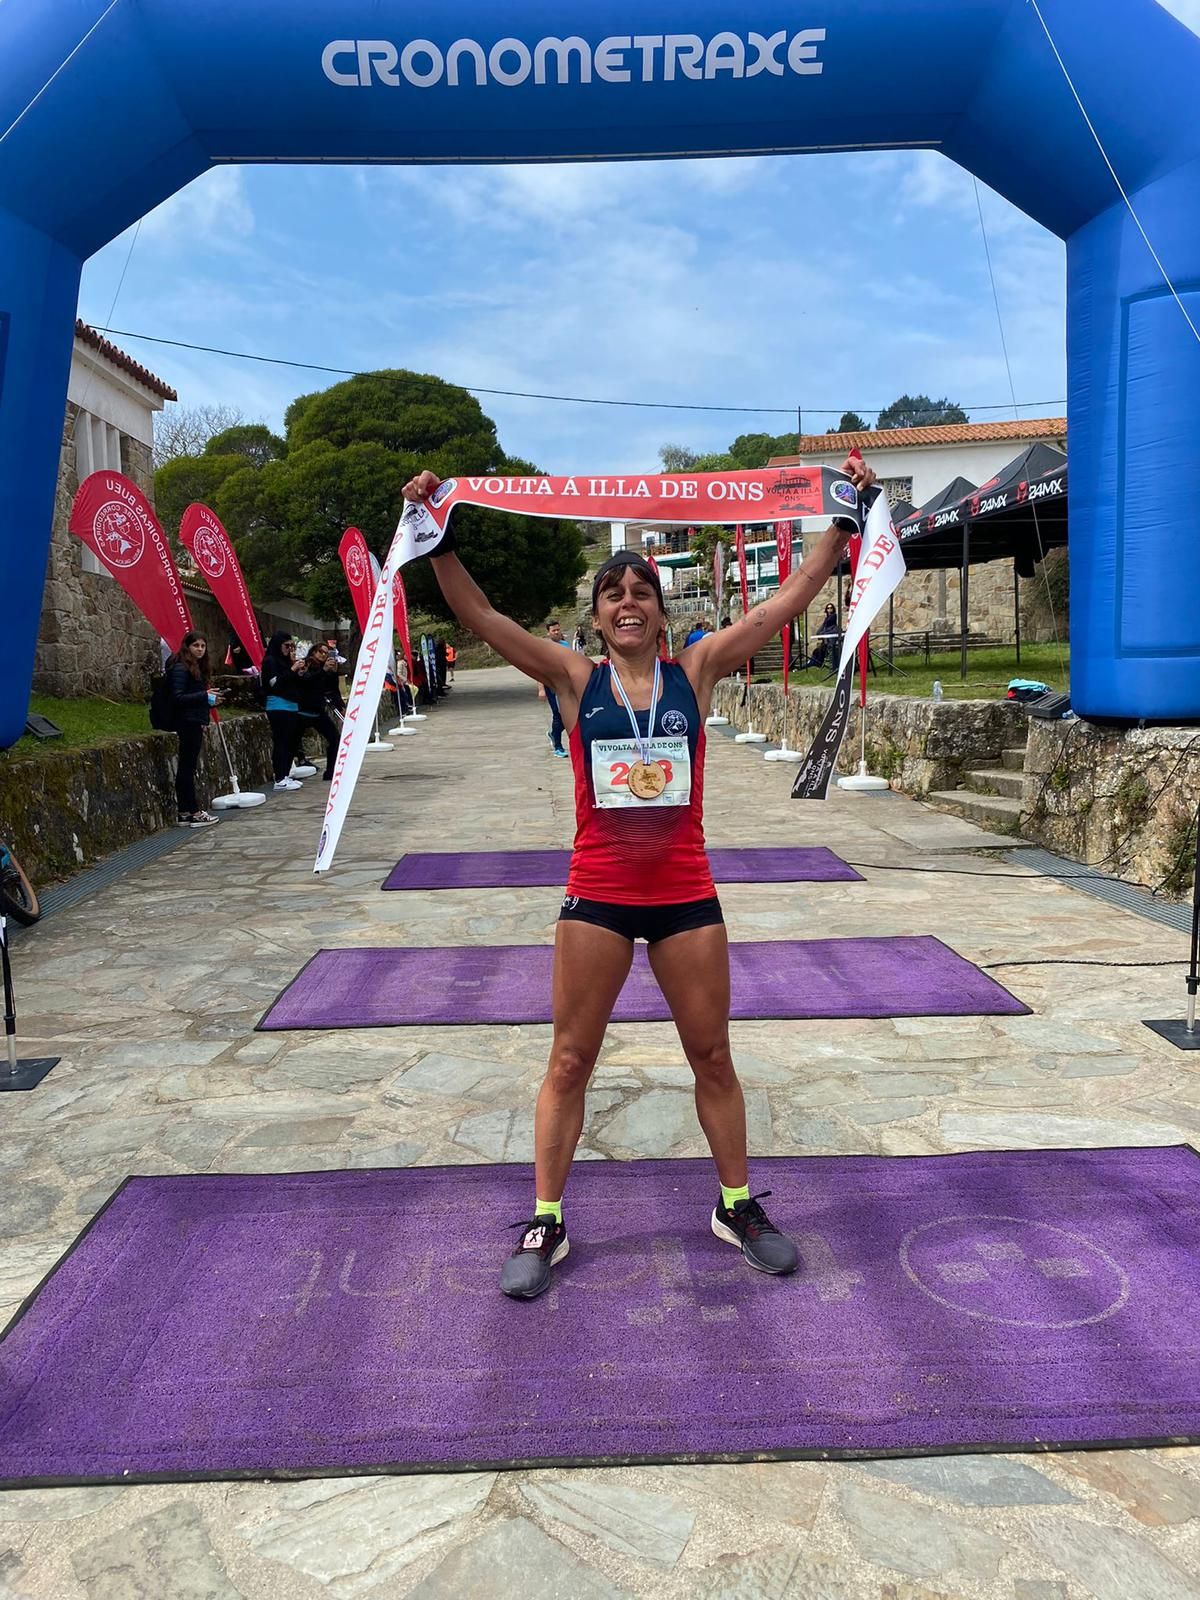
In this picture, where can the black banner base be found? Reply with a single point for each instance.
(29, 1073)
(1175, 1031)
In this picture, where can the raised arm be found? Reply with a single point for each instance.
(718, 654)
(546, 662)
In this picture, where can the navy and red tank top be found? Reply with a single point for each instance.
(627, 851)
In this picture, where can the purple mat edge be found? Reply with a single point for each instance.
(263, 1023)
(518, 1464)
(850, 875)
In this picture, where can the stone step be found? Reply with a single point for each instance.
(994, 811)
(994, 780)
(1014, 759)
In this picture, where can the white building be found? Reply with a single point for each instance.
(92, 638)
(914, 463)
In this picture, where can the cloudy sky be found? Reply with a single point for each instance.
(702, 282)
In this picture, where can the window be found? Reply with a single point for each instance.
(897, 489)
(97, 449)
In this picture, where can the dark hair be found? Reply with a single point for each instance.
(198, 669)
(617, 564)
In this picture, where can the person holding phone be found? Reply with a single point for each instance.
(192, 702)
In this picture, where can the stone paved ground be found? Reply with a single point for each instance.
(150, 991)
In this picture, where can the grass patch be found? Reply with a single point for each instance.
(83, 723)
(988, 672)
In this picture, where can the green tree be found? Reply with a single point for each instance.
(851, 423)
(919, 411)
(187, 478)
(253, 440)
(747, 453)
(346, 455)
(677, 458)
(702, 544)
(752, 450)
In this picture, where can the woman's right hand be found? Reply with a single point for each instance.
(421, 487)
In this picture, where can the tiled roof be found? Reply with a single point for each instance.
(812, 444)
(117, 356)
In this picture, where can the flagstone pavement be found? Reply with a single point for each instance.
(150, 991)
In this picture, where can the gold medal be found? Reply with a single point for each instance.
(646, 780)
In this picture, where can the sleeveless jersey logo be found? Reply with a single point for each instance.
(673, 723)
(119, 535)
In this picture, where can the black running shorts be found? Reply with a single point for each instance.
(650, 923)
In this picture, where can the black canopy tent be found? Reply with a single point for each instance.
(1019, 514)
(943, 511)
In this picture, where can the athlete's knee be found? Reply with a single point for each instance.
(713, 1064)
(569, 1069)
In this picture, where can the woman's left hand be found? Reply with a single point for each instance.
(859, 473)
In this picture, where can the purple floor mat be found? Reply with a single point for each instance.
(534, 869)
(328, 1322)
(382, 988)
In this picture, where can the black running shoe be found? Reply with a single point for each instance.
(543, 1245)
(749, 1227)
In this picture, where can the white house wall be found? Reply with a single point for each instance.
(103, 390)
(932, 467)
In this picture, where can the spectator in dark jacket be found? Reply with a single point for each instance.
(826, 637)
(279, 674)
(333, 673)
(312, 687)
(187, 674)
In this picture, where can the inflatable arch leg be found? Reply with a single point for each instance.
(39, 288)
(1134, 379)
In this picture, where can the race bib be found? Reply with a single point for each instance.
(611, 763)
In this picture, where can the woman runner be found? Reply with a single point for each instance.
(635, 726)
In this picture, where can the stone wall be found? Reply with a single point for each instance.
(92, 640)
(62, 809)
(930, 600)
(1121, 799)
(918, 745)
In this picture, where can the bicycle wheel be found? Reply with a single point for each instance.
(18, 898)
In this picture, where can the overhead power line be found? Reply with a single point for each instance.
(525, 394)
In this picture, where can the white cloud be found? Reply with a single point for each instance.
(713, 282)
(212, 209)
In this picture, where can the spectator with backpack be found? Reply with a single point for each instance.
(190, 704)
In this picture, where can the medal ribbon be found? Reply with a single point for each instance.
(643, 745)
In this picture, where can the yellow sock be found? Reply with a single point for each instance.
(552, 1208)
(730, 1197)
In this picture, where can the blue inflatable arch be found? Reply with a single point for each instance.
(160, 89)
